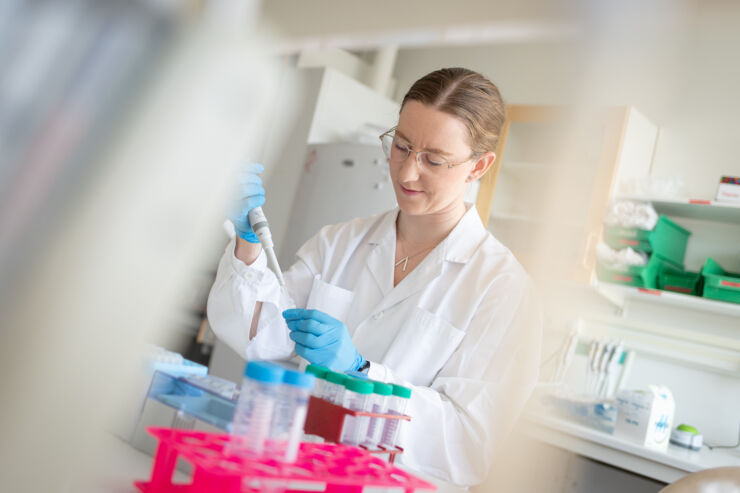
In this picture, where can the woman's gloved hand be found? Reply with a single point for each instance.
(250, 194)
(322, 340)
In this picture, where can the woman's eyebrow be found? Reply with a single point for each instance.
(427, 149)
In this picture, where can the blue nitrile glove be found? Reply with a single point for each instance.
(250, 194)
(322, 340)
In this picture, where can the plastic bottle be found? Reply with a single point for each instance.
(320, 373)
(290, 415)
(378, 405)
(357, 398)
(397, 403)
(334, 388)
(254, 409)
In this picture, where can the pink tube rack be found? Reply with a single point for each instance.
(343, 468)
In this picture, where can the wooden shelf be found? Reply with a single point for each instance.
(524, 218)
(619, 295)
(530, 166)
(705, 210)
(506, 216)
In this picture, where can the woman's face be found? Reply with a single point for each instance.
(420, 188)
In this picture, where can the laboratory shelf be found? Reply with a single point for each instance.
(705, 210)
(666, 466)
(621, 294)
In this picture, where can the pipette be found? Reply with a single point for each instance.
(603, 365)
(258, 221)
(567, 352)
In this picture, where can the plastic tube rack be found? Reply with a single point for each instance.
(342, 468)
(326, 420)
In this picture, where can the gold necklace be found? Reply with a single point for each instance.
(405, 260)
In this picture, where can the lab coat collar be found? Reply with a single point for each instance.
(380, 258)
(465, 238)
(459, 246)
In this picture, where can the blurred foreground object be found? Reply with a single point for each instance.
(718, 480)
(118, 124)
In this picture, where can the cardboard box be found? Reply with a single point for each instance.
(729, 189)
(646, 416)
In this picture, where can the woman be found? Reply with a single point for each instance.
(422, 295)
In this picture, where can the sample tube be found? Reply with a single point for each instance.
(290, 415)
(356, 397)
(254, 409)
(378, 405)
(334, 388)
(320, 373)
(397, 403)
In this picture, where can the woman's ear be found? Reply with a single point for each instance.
(481, 166)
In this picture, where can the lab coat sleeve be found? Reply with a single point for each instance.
(460, 420)
(233, 296)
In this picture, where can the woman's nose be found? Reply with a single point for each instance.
(410, 168)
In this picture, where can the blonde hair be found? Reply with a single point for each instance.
(467, 95)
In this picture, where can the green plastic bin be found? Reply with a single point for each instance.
(667, 239)
(644, 276)
(680, 281)
(720, 284)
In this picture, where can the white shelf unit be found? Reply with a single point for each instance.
(700, 209)
(620, 295)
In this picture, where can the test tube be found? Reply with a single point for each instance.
(378, 405)
(397, 403)
(254, 409)
(356, 397)
(334, 388)
(290, 415)
(320, 373)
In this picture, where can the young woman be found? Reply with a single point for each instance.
(422, 295)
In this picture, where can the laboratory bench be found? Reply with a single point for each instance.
(667, 466)
(113, 468)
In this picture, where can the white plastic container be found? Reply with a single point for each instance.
(250, 427)
(378, 405)
(397, 403)
(290, 415)
(334, 388)
(357, 396)
(646, 416)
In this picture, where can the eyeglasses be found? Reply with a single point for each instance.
(397, 150)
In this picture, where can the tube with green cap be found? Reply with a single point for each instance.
(378, 405)
(397, 403)
(334, 387)
(357, 395)
(320, 373)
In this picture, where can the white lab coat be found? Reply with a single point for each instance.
(462, 329)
